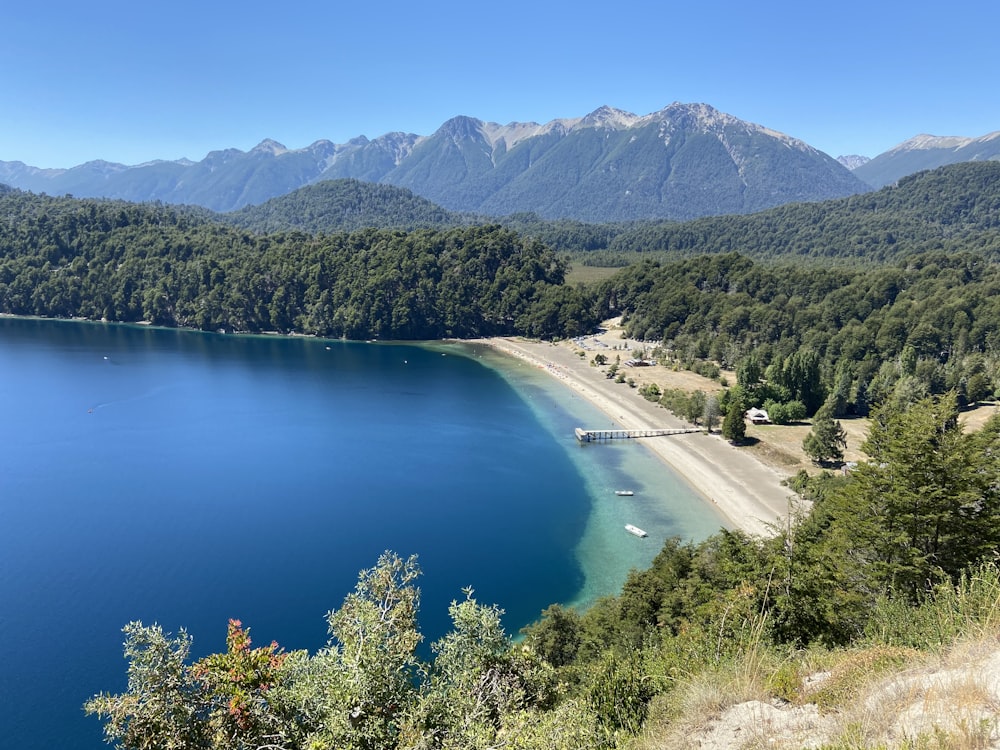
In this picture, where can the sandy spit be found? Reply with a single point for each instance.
(749, 494)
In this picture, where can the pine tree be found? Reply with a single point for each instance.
(827, 440)
(734, 426)
(925, 505)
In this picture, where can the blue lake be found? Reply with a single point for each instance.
(185, 478)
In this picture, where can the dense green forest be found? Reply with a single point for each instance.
(129, 262)
(898, 554)
(950, 208)
(955, 207)
(922, 326)
(904, 324)
(345, 205)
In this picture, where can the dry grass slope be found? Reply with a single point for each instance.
(879, 698)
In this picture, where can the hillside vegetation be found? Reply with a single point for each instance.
(922, 326)
(344, 205)
(109, 260)
(952, 208)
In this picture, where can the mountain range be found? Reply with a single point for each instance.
(927, 152)
(951, 207)
(682, 162)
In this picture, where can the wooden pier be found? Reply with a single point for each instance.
(590, 436)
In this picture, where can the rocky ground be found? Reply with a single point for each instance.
(946, 702)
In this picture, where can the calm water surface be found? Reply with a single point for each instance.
(185, 478)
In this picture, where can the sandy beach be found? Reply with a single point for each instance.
(749, 494)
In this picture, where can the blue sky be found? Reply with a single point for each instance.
(134, 81)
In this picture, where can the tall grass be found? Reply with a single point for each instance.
(893, 689)
(968, 608)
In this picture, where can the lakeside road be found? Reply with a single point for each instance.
(749, 494)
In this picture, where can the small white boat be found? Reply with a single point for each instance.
(635, 530)
(624, 493)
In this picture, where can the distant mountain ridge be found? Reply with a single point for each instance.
(853, 161)
(951, 207)
(682, 162)
(927, 152)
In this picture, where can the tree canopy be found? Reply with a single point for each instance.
(126, 262)
(928, 323)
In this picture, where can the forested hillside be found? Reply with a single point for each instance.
(936, 312)
(855, 337)
(951, 208)
(344, 206)
(129, 262)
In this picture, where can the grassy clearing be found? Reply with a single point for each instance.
(587, 275)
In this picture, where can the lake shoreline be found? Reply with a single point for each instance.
(747, 493)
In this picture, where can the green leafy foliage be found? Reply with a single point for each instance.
(368, 675)
(479, 680)
(344, 205)
(692, 406)
(126, 262)
(827, 440)
(163, 706)
(366, 690)
(948, 209)
(801, 334)
(922, 509)
(734, 426)
(236, 686)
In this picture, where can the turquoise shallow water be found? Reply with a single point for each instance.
(663, 504)
(186, 478)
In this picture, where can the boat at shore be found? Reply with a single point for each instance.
(624, 493)
(635, 530)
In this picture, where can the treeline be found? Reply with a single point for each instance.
(345, 206)
(954, 207)
(922, 325)
(919, 327)
(127, 262)
(947, 209)
(901, 553)
(568, 235)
